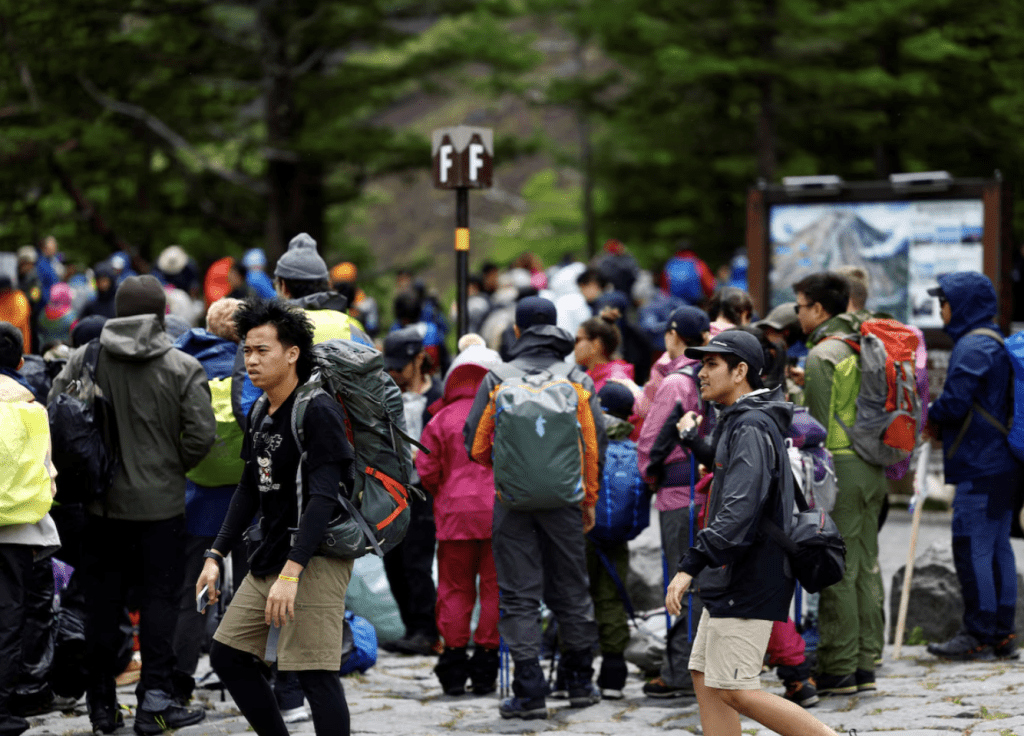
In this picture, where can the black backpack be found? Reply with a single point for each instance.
(813, 544)
(83, 433)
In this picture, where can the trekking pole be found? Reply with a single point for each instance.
(664, 585)
(689, 602)
(920, 494)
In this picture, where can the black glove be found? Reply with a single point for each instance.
(666, 441)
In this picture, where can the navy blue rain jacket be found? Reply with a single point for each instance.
(979, 372)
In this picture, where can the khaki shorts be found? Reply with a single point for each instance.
(312, 641)
(730, 651)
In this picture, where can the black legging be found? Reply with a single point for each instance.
(245, 678)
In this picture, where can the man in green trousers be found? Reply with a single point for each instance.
(850, 612)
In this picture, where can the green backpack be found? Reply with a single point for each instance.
(538, 441)
(376, 511)
(223, 465)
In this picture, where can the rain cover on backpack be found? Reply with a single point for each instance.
(623, 507)
(538, 441)
(888, 407)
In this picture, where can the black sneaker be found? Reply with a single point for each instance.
(802, 692)
(528, 710)
(105, 718)
(836, 684)
(172, 717)
(865, 680)
(962, 648)
(584, 695)
(658, 688)
(12, 725)
(1007, 648)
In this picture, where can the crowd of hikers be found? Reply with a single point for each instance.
(199, 450)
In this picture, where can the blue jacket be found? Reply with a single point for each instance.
(979, 372)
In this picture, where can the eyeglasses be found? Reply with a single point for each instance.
(798, 306)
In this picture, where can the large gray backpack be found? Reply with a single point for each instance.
(376, 511)
(538, 441)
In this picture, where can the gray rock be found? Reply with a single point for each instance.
(645, 581)
(936, 604)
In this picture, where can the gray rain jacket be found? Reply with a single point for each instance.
(740, 572)
(165, 422)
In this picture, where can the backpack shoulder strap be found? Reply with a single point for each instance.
(303, 395)
(91, 359)
(987, 332)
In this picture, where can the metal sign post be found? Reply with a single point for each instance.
(463, 159)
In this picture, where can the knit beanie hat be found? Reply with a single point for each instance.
(301, 262)
(140, 295)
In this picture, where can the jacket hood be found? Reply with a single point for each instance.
(461, 382)
(972, 301)
(323, 300)
(543, 339)
(770, 401)
(11, 390)
(616, 429)
(138, 338)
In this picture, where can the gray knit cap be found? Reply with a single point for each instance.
(301, 262)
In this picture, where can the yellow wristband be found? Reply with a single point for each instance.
(287, 578)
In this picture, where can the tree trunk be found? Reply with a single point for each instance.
(586, 158)
(766, 137)
(296, 199)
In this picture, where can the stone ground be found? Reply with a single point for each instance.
(917, 695)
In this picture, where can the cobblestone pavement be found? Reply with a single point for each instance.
(917, 695)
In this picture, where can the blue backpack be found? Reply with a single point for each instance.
(1014, 428)
(623, 505)
(683, 279)
(358, 645)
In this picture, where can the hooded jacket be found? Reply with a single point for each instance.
(42, 534)
(538, 348)
(979, 373)
(743, 572)
(463, 490)
(674, 388)
(165, 422)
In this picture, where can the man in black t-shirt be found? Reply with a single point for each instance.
(289, 587)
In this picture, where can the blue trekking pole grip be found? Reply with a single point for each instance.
(689, 604)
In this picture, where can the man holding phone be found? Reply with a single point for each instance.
(291, 606)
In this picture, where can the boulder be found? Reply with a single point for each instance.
(936, 605)
(645, 581)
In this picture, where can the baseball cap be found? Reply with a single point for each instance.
(780, 318)
(937, 291)
(735, 342)
(400, 347)
(535, 310)
(688, 322)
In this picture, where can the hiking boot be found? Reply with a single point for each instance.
(483, 670)
(608, 693)
(452, 670)
(584, 695)
(105, 718)
(295, 715)
(418, 644)
(962, 648)
(613, 672)
(658, 688)
(172, 717)
(836, 684)
(1007, 648)
(802, 692)
(865, 680)
(527, 709)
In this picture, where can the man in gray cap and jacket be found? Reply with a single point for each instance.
(135, 536)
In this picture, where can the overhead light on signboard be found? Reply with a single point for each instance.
(812, 186)
(921, 181)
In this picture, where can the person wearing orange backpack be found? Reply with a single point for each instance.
(850, 611)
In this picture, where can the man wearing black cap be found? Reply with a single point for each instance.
(742, 583)
(135, 536)
(409, 565)
(541, 554)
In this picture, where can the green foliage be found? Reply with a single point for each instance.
(916, 637)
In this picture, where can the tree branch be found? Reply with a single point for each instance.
(181, 146)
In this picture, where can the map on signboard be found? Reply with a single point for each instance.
(903, 247)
